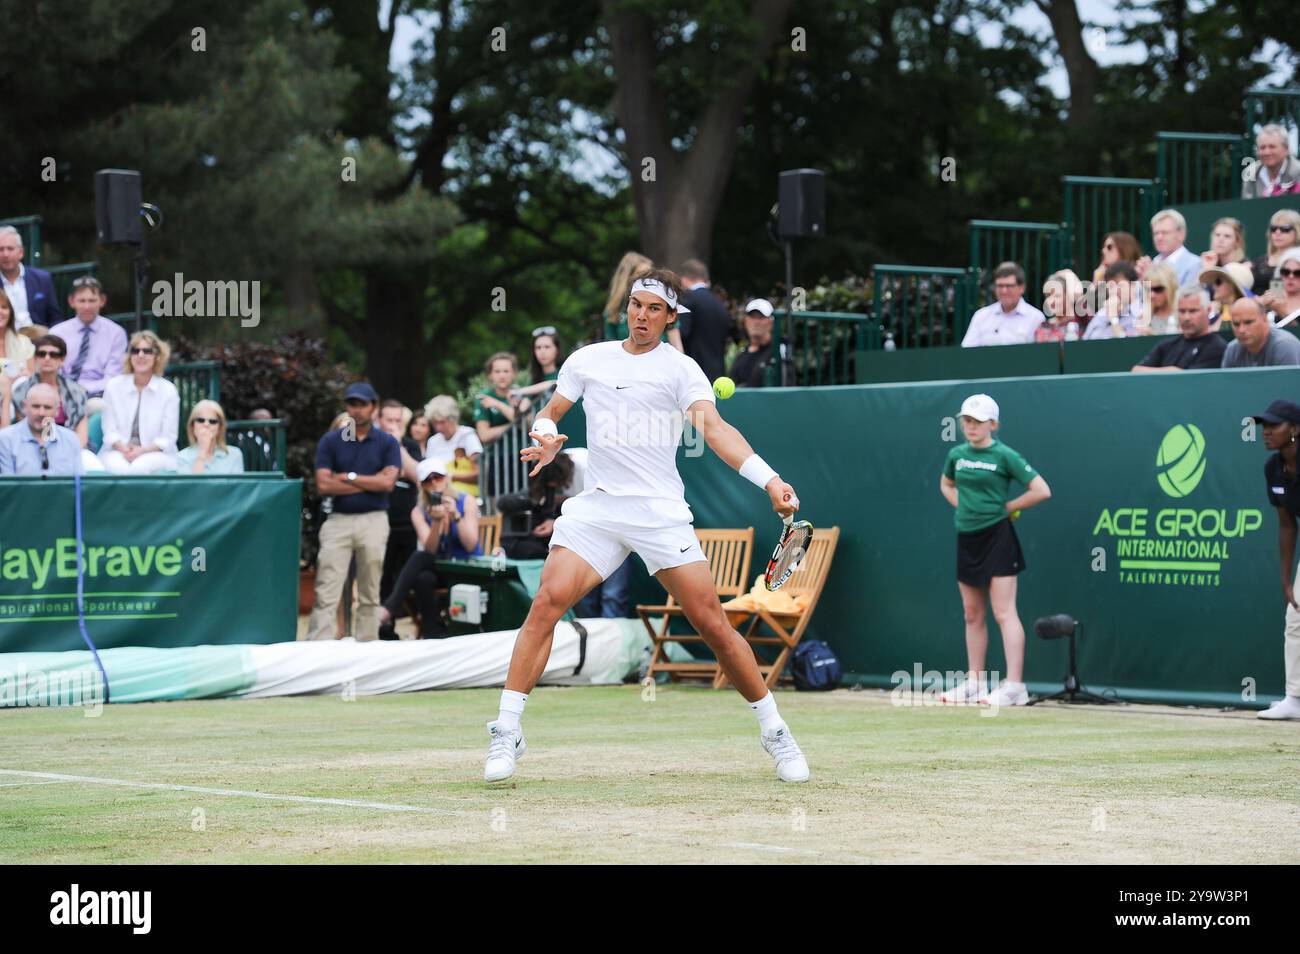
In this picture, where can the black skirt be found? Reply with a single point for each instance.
(984, 554)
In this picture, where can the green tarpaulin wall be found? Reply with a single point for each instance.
(170, 561)
(868, 459)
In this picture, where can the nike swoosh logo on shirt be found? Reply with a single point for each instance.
(621, 387)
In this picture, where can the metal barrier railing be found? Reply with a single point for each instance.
(263, 443)
(817, 348)
(1095, 205)
(500, 469)
(29, 228)
(1198, 167)
(127, 320)
(1264, 106)
(1037, 247)
(921, 306)
(196, 381)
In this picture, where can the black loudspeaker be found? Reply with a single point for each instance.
(802, 198)
(117, 206)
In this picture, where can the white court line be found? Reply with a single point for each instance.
(16, 784)
(237, 793)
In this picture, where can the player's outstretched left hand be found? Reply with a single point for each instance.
(550, 446)
(784, 499)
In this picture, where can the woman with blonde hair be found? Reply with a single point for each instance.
(142, 411)
(1160, 286)
(207, 452)
(1283, 233)
(16, 356)
(1227, 243)
(1060, 293)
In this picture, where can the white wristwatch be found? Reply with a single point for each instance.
(352, 476)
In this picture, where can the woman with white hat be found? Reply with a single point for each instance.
(976, 480)
(1226, 283)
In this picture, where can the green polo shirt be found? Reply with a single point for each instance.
(493, 415)
(983, 477)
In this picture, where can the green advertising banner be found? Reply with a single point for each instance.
(1159, 537)
(167, 561)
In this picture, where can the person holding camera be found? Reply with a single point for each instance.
(530, 514)
(446, 525)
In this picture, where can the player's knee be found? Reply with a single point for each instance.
(973, 616)
(715, 627)
(1005, 614)
(548, 606)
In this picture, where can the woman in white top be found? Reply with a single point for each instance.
(141, 411)
(16, 359)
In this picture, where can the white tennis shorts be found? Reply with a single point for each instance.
(603, 528)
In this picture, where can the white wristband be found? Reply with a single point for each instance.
(757, 471)
(543, 425)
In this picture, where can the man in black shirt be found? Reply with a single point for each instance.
(402, 540)
(1281, 430)
(707, 329)
(1196, 347)
(749, 366)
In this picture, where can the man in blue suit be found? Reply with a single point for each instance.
(30, 290)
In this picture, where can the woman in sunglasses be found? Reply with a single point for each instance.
(1157, 316)
(1116, 247)
(1283, 234)
(207, 452)
(1286, 300)
(51, 351)
(141, 411)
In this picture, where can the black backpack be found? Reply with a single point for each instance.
(815, 667)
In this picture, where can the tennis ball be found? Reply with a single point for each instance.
(724, 387)
(1181, 460)
(1015, 515)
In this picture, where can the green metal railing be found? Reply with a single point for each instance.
(923, 306)
(262, 442)
(64, 276)
(1037, 247)
(29, 228)
(820, 347)
(1264, 106)
(127, 320)
(1095, 205)
(1198, 167)
(196, 381)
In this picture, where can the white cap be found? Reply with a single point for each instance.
(979, 406)
(760, 304)
(428, 466)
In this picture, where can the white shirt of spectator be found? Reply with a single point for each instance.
(160, 413)
(635, 406)
(17, 292)
(1186, 265)
(993, 326)
(465, 438)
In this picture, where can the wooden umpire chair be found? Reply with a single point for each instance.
(786, 629)
(765, 628)
(729, 553)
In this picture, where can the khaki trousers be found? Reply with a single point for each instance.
(342, 535)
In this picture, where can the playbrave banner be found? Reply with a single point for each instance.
(168, 561)
(1159, 537)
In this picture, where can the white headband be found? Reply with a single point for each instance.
(655, 287)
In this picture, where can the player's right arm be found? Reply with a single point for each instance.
(549, 441)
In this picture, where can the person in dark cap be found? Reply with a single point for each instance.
(1281, 429)
(356, 466)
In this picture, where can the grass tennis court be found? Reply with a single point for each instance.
(611, 778)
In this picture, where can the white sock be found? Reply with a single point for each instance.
(769, 720)
(512, 708)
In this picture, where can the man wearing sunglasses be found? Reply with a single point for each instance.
(97, 345)
(36, 446)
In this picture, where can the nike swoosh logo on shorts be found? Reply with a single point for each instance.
(621, 387)
(684, 549)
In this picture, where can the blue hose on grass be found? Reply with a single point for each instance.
(81, 579)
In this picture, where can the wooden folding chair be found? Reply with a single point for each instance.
(786, 629)
(489, 532)
(729, 553)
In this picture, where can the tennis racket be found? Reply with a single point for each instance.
(795, 538)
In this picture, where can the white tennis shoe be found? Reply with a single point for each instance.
(1288, 707)
(1007, 694)
(791, 766)
(503, 751)
(966, 693)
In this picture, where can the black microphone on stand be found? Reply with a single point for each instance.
(1065, 626)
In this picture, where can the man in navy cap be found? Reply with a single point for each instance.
(1281, 429)
(357, 466)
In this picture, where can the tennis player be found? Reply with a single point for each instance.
(976, 479)
(637, 393)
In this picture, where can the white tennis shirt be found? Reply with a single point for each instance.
(635, 406)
